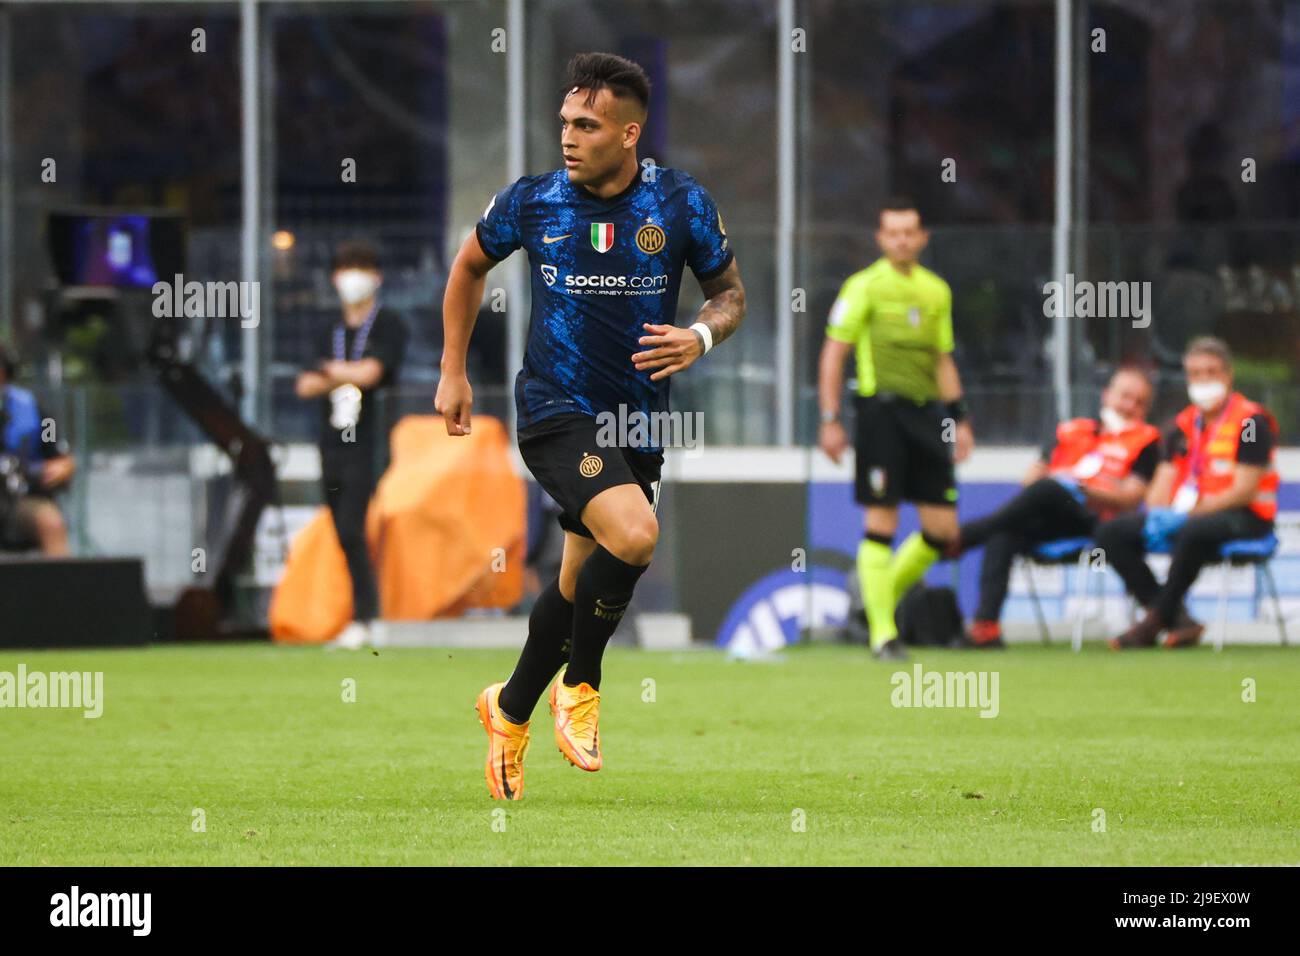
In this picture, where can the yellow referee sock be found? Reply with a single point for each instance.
(912, 559)
(877, 590)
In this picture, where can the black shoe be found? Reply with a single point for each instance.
(1141, 634)
(891, 650)
(1186, 630)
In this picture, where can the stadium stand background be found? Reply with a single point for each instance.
(417, 95)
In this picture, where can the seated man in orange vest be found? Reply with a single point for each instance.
(1097, 468)
(1217, 484)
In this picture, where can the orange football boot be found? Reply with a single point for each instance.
(507, 744)
(577, 712)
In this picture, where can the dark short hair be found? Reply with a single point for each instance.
(899, 204)
(355, 254)
(594, 72)
(1209, 345)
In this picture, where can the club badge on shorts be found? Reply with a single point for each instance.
(345, 407)
(876, 478)
(590, 466)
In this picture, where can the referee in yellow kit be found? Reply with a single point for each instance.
(911, 421)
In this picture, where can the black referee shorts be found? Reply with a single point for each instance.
(901, 454)
(570, 465)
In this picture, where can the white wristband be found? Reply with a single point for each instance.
(705, 333)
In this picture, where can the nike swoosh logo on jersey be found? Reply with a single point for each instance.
(550, 239)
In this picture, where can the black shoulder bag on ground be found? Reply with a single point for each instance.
(928, 616)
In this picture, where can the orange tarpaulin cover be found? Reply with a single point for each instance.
(446, 530)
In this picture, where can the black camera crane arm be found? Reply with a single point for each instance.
(249, 452)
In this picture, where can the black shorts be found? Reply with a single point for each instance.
(901, 454)
(568, 462)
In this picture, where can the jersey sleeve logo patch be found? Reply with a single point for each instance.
(602, 236)
(549, 273)
(650, 239)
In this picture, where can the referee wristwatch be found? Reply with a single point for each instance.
(829, 418)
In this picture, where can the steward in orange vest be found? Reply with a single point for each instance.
(1096, 469)
(1100, 460)
(1206, 462)
(1217, 484)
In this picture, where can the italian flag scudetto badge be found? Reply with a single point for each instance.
(602, 236)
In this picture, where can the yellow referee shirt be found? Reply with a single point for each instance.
(900, 325)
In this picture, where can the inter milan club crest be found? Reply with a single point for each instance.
(602, 236)
(650, 239)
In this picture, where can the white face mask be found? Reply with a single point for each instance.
(355, 285)
(1113, 421)
(1206, 395)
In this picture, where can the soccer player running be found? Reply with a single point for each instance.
(911, 427)
(1217, 484)
(1095, 469)
(607, 243)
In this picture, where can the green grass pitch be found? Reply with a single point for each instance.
(719, 768)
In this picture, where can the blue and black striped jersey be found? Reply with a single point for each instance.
(600, 269)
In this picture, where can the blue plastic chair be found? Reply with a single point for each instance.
(1249, 551)
(1058, 552)
(1245, 551)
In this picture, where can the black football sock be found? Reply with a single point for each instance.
(550, 626)
(604, 590)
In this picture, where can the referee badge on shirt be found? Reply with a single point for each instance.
(602, 236)
(914, 317)
(345, 406)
